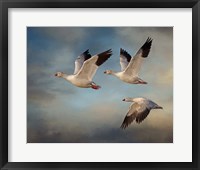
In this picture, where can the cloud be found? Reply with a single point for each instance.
(102, 125)
(40, 97)
(61, 35)
(57, 111)
(143, 133)
(166, 78)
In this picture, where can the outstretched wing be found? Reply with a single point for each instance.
(91, 65)
(136, 61)
(137, 112)
(142, 114)
(125, 58)
(130, 116)
(80, 60)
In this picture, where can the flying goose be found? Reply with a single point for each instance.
(138, 110)
(85, 69)
(130, 66)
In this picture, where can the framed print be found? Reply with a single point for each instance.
(99, 84)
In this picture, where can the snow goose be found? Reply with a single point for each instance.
(85, 69)
(138, 110)
(130, 66)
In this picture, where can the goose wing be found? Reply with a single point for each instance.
(130, 116)
(142, 114)
(80, 60)
(138, 112)
(91, 65)
(136, 61)
(125, 58)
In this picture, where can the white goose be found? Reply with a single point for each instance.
(85, 69)
(130, 66)
(138, 111)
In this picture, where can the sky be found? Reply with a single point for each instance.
(58, 112)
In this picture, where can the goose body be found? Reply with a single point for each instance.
(130, 66)
(138, 110)
(127, 78)
(77, 81)
(85, 69)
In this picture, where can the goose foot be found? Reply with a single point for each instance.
(96, 87)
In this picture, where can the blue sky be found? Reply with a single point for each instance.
(58, 112)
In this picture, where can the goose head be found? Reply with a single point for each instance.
(128, 99)
(59, 74)
(108, 72)
(157, 107)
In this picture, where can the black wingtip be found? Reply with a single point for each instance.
(103, 57)
(125, 54)
(106, 53)
(122, 50)
(125, 123)
(149, 40)
(123, 126)
(146, 47)
(86, 54)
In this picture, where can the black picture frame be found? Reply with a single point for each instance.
(6, 4)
